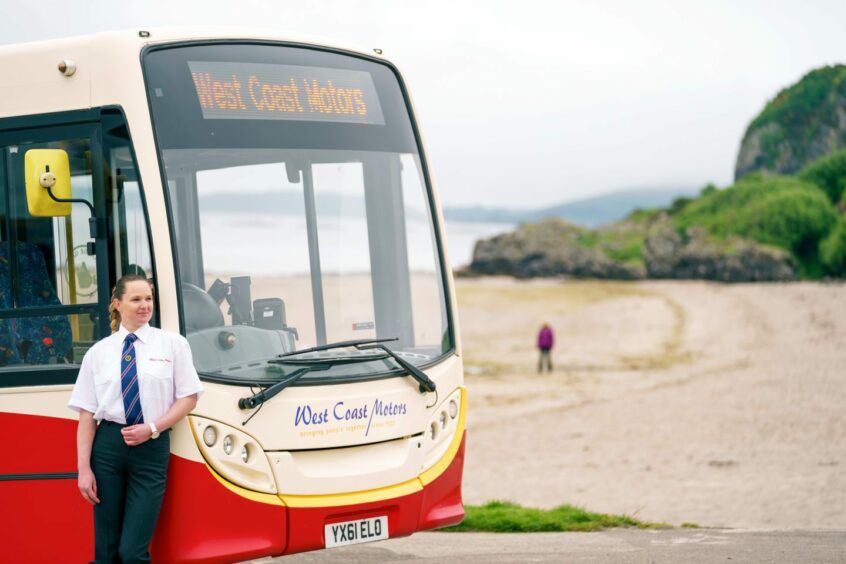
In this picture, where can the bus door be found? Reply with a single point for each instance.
(56, 270)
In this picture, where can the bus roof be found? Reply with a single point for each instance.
(108, 66)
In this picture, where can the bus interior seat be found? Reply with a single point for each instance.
(201, 311)
(37, 339)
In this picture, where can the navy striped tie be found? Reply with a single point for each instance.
(129, 382)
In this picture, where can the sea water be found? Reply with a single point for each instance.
(266, 244)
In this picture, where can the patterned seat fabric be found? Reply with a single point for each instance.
(32, 340)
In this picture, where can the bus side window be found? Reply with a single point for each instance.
(43, 266)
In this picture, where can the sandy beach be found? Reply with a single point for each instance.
(721, 405)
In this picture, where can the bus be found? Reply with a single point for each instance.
(276, 191)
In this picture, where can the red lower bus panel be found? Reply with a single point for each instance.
(43, 518)
(44, 522)
(202, 521)
(438, 505)
(37, 444)
(442, 505)
(306, 523)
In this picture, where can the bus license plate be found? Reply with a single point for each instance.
(354, 532)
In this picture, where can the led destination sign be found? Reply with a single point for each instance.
(285, 92)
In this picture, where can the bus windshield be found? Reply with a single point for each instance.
(300, 208)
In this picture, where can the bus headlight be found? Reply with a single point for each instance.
(210, 435)
(441, 429)
(237, 457)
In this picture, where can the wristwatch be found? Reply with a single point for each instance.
(156, 433)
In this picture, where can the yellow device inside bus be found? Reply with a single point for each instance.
(42, 168)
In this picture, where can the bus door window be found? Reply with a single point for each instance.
(44, 265)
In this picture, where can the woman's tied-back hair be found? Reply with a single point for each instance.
(117, 294)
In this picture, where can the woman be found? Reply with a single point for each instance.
(133, 386)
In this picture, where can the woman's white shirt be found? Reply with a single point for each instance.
(165, 373)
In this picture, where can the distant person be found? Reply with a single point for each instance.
(545, 342)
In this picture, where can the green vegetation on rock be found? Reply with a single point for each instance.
(801, 124)
(621, 242)
(833, 249)
(829, 173)
(793, 107)
(506, 517)
(783, 212)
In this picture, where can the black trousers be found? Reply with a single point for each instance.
(546, 357)
(130, 485)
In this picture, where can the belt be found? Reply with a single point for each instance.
(108, 423)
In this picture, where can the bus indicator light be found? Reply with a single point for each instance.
(227, 444)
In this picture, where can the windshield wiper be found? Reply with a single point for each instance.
(329, 346)
(311, 365)
(426, 384)
(325, 363)
(267, 393)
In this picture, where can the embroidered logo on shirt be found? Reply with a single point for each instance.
(153, 359)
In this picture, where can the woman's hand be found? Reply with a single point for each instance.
(88, 486)
(84, 441)
(134, 435)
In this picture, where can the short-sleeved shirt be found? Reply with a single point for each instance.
(165, 373)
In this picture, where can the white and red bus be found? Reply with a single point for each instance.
(276, 191)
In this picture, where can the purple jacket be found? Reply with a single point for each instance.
(545, 338)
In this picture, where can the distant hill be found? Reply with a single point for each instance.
(802, 123)
(280, 202)
(589, 212)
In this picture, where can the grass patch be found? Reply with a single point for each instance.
(507, 517)
(622, 242)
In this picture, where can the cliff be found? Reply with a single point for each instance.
(802, 123)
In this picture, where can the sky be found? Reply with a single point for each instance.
(532, 103)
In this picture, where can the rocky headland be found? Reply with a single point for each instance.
(784, 217)
(556, 248)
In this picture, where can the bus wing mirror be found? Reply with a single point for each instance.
(293, 170)
(47, 170)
